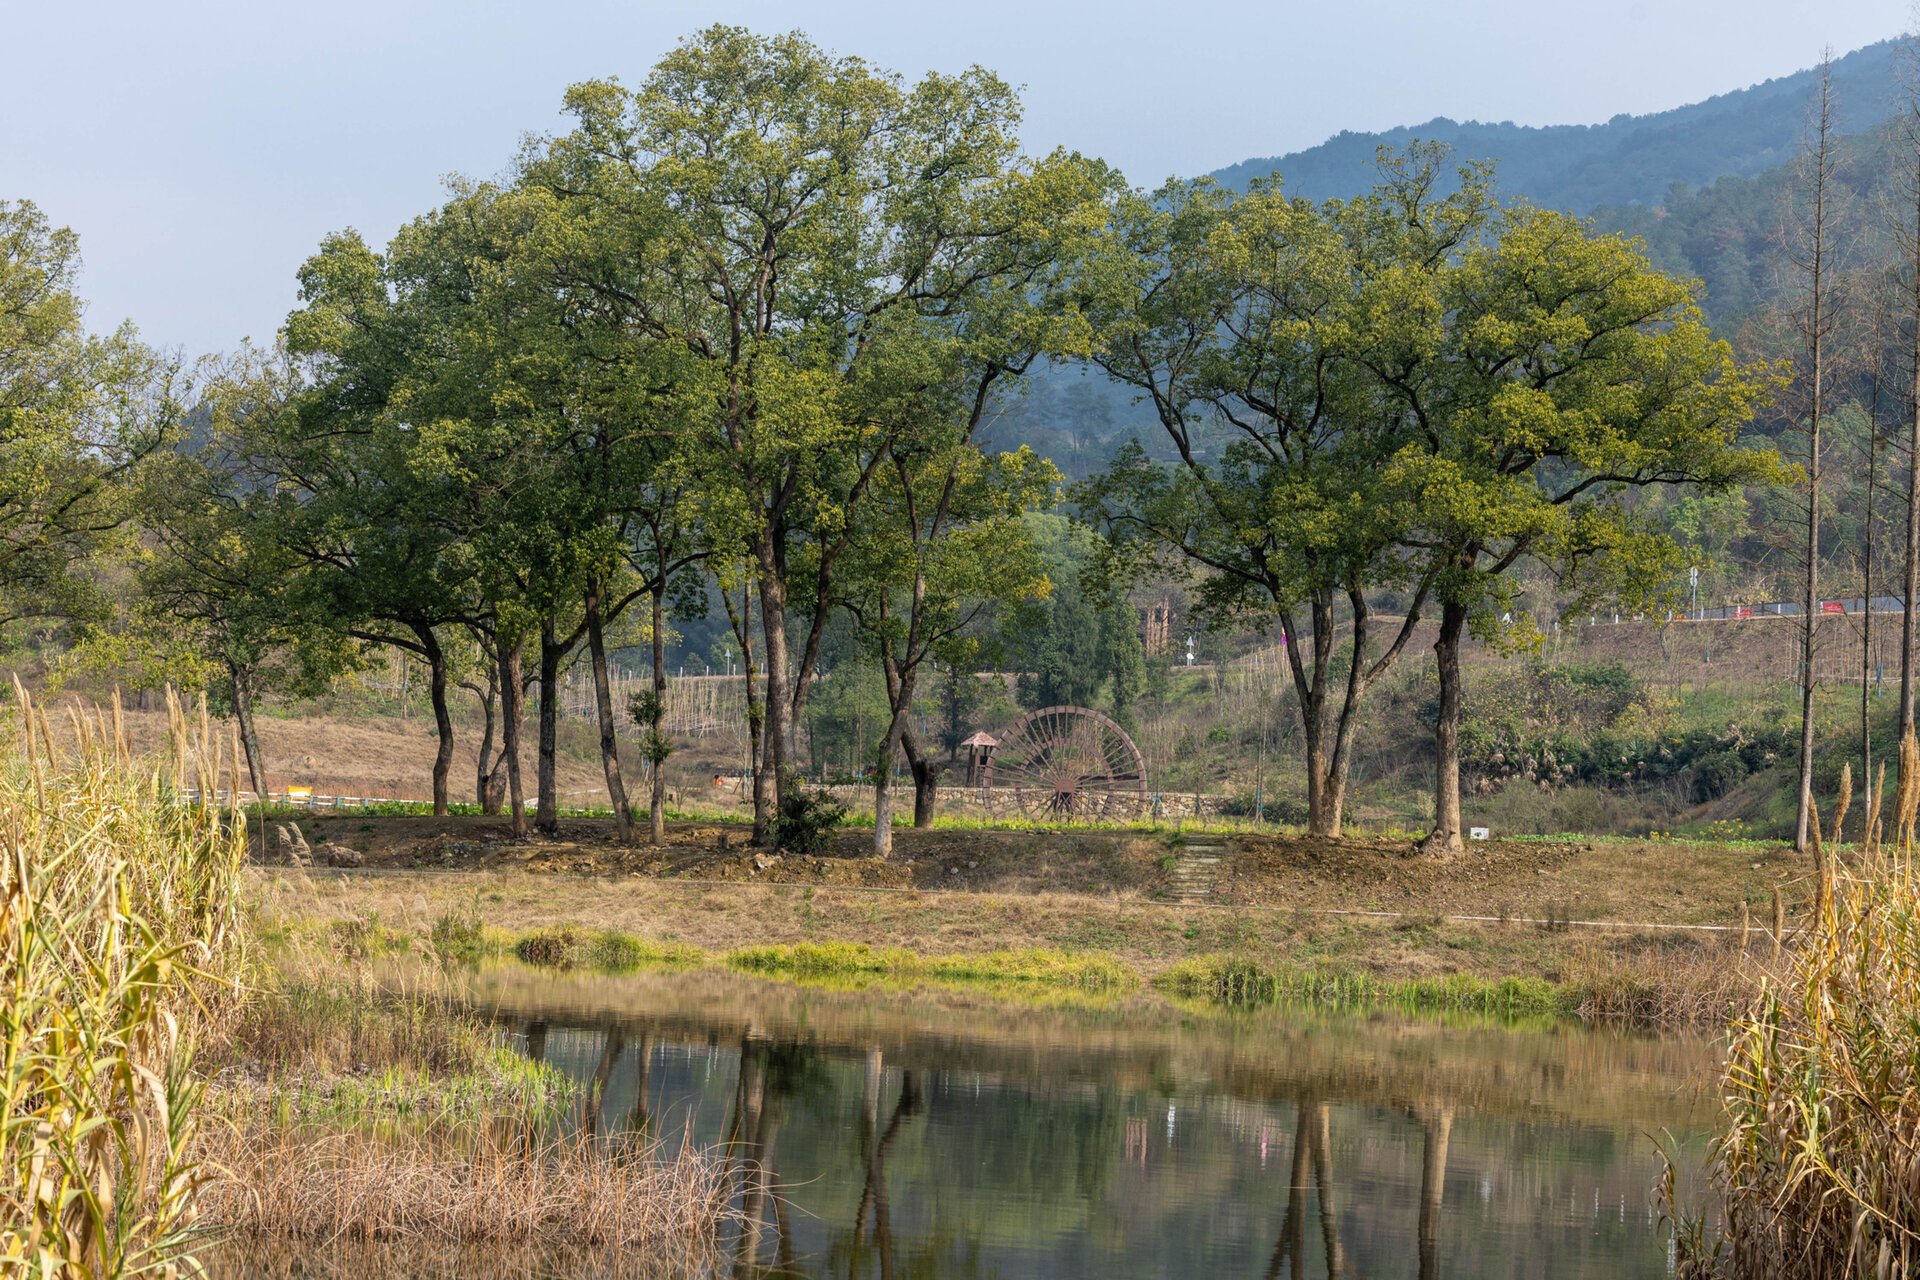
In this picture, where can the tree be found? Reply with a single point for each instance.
(811, 200)
(1907, 238)
(1551, 373)
(1812, 251)
(1249, 324)
(358, 468)
(79, 414)
(943, 544)
(213, 575)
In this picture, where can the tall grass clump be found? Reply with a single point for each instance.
(1819, 1160)
(118, 924)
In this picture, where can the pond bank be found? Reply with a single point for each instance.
(1047, 939)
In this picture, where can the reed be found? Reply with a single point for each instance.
(505, 1182)
(118, 936)
(1819, 1158)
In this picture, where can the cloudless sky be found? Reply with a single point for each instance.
(201, 148)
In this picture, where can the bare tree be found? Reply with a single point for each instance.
(1810, 247)
(1907, 233)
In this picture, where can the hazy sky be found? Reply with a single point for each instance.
(201, 149)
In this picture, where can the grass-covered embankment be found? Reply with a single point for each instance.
(1025, 943)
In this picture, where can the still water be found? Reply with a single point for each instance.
(932, 1134)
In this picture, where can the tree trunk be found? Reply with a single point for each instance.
(603, 709)
(777, 746)
(242, 678)
(484, 765)
(926, 781)
(512, 712)
(1910, 585)
(547, 810)
(1445, 836)
(442, 719)
(1817, 321)
(657, 735)
(883, 782)
(742, 622)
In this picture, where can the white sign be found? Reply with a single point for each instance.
(1477, 833)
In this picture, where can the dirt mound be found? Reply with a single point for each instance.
(1382, 875)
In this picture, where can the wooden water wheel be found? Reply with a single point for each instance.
(1065, 764)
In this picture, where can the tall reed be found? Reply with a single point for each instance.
(117, 925)
(1819, 1160)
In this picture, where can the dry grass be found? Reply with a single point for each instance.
(494, 1183)
(1820, 1159)
(360, 1100)
(311, 1021)
(118, 926)
(1665, 981)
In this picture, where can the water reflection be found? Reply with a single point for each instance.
(930, 1135)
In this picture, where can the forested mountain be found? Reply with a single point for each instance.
(1702, 185)
(1627, 160)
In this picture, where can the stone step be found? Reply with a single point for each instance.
(1194, 872)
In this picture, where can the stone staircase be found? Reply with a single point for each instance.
(1196, 868)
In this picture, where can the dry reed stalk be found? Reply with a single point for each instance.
(491, 1183)
(1820, 1159)
(1870, 831)
(1842, 802)
(1906, 796)
(118, 922)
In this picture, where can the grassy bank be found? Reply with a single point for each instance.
(1045, 942)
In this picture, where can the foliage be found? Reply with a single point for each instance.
(805, 821)
(79, 415)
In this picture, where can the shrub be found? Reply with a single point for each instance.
(806, 821)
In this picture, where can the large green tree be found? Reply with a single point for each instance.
(796, 206)
(1248, 324)
(1551, 373)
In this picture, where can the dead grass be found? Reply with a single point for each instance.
(496, 1183)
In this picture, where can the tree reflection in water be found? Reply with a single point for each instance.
(864, 1145)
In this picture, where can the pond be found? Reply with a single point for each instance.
(934, 1133)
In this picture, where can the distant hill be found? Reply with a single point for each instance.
(1629, 160)
(1703, 185)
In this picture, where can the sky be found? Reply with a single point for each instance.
(202, 148)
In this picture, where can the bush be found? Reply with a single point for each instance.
(806, 821)
(1283, 810)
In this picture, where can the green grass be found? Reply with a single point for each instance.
(503, 1082)
(569, 947)
(1039, 966)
